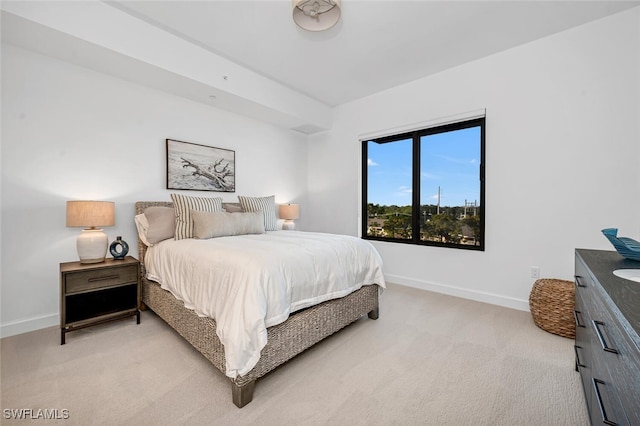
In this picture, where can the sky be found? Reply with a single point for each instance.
(449, 160)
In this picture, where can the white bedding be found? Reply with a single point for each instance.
(250, 282)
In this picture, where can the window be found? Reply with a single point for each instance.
(426, 186)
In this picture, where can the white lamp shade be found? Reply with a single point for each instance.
(289, 211)
(316, 15)
(90, 214)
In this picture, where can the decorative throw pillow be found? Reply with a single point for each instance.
(223, 224)
(266, 205)
(162, 223)
(183, 205)
(232, 207)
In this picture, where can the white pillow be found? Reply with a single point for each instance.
(266, 205)
(184, 204)
(223, 224)
(142, 225)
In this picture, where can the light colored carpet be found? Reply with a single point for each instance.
(430, 359)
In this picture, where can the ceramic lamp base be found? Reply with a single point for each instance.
(289, 225)
(92, 246)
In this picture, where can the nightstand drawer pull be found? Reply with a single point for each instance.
(578, 284)
(108, 277)
(603, 413)
(603, 342)
(578, 322)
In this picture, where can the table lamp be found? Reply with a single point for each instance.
(92, 243)
(289, 212)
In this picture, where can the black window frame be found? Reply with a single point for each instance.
(415, 136)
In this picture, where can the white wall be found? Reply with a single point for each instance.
(71, 133)
(563, 147)
(563, 142)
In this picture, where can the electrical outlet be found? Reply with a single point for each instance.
(535, 272)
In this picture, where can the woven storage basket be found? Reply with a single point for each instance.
(552, 302)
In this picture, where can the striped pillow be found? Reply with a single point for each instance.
(184, 204)
(267, 205)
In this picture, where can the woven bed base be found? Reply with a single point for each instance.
(284, 341)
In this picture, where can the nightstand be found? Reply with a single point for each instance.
(96, 293)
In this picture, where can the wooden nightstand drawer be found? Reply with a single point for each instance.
(95, 293)
(100, 278)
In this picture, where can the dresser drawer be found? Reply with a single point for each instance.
(626, 377)
(583, 279)
(581, 311)
(83, 281)
(583, 345)
(618, 362)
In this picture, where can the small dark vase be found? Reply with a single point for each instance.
(119, 248)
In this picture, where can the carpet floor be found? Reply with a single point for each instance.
(430, 359)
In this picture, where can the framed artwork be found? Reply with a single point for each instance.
(200, 167)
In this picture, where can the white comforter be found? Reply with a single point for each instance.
(250, 282)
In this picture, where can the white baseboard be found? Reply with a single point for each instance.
(27, 325)
(479, 296)
(32, 324)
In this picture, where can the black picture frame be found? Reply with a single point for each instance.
(196, 167)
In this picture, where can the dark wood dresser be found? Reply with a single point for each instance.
(607, 348)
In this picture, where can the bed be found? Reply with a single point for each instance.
(301, 330)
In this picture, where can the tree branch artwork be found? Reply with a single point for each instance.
(199, 167)
(217, 177)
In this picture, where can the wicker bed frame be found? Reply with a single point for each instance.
(301, 331)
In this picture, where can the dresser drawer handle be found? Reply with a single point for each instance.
(603, 413)
(603, 342)
(578, 322)
(578, 363)
(105, 278)
(578, 283)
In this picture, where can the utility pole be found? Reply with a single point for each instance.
(473, 204)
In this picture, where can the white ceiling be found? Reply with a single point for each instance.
(250, 58)
(375, 46)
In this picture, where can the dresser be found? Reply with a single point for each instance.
(607, 345)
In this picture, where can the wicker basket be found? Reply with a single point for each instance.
(552, 302)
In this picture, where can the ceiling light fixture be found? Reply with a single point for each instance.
(316, 15)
